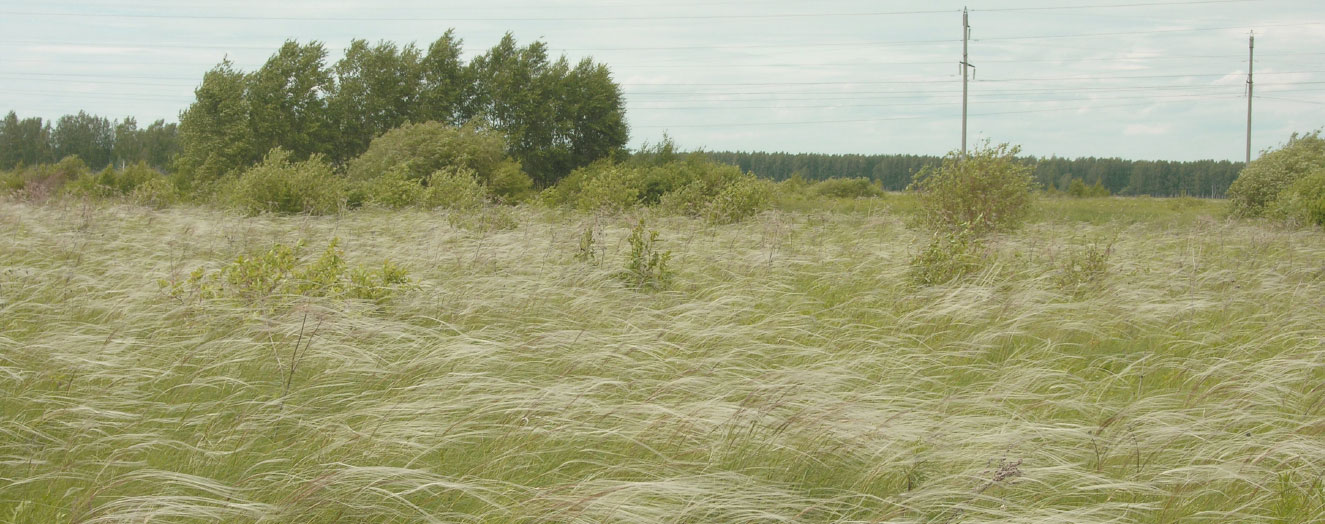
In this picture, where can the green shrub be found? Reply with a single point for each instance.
(11, 181)
(693, 186)
(283, 270)
(589, 244)
(42, 181)
(989, 190)
(1304, 201)
(646, 269)
(1084, 266)
(394, 189)
(739, 199)
(1265, 179)
(454, 188)
(603, 186)
(158, 192)
(416, 151)
(277, 185)
(848, 188)
(115, 183)
(951, 254)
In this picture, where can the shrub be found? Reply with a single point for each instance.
(454, 188)
(1265, 179)
(646, 269)
(277, 185)
(1078, 189)
(394, 189)
(951, 254)
(694, 186)
(739, 200)
(114, 183)
(859, 187)
(158, 192)
(1084, 266)
(44, 180)
(1304, 201)
(989, 190)
(10, 181)
(589, 244)
(416, 151)
(603, 186)
(282, 270)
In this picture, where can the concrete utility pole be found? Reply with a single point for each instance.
(966, 36)
(1251, 54)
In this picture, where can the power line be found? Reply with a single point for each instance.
(885, 119)
(1147, 32)
(949, 103)
(854, 94)
(949, 41)
(650, 18)
(931, 81)
(1295, 100)
(1105, 6)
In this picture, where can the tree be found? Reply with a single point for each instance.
(88, 137)
(555, 118)
(446, 83)
(24, 142)
(128, 142)
(160, 143)
(214, 132)
(376, 90)
(287, 103)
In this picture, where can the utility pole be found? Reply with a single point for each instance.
(966, 36)
(1251, 54)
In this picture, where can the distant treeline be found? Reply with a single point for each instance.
(1204, 178)
(98, 141)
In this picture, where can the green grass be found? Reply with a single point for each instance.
(792, 372)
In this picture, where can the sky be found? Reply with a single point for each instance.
(1160, 80)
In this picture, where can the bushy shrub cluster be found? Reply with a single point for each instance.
(449, 187)
(42, 181)
(848, 188)
(1286, 183)
(280, 185)
(1304, 201)
(988, 190)
(283, 270)
(139, 183)
(693, 186)
(1083, 266)
(426, 165)
(415, 152)
(950, 254)
(964, 200)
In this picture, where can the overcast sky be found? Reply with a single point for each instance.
(1128, 78)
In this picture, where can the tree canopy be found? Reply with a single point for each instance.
(554, 117)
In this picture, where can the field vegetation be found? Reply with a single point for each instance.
(408, 288)
(1111, 360)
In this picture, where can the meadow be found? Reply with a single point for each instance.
(1114, 360)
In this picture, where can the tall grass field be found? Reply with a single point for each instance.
(1113, 361)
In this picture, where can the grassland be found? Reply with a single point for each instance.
(793, 372)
